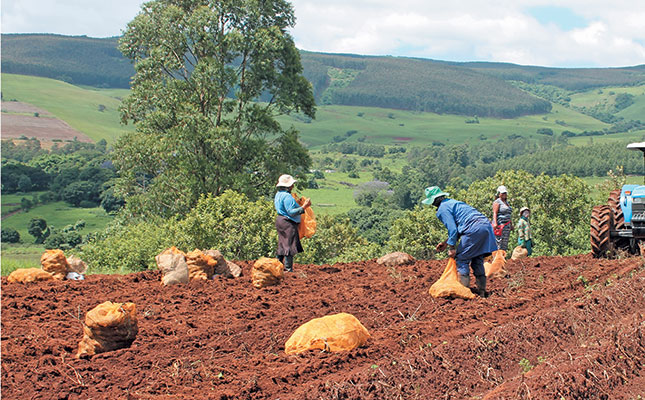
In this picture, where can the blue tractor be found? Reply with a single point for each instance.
(620, 224)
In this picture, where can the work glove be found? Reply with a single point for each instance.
(520, 242)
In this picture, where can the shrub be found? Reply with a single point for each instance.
(127, 247)
(63, 240)
(417, 233)
(560, 208)
(239, 228)
(10, 235)
(336, 241)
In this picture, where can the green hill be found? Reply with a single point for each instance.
(79, 107)
(74, 59)
(482, 89)
(93, 112)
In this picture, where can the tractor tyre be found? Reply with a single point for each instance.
(614, 204)
(602, 223)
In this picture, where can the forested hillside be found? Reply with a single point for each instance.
(472, 89)
(80, 60)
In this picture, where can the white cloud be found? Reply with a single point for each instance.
(473, 30)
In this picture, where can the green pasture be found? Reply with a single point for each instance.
(76, 106)
(624, 137)
(16, 256)
(336, 192)
(396, 127)
(11, 202)
(59, 215)
(604, 96)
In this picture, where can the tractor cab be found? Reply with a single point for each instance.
(620, 224)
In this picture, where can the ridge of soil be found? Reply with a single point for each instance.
(553, 328)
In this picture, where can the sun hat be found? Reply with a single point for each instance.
(524, 209)
(285, 181)
(501, 189)
(432, 193)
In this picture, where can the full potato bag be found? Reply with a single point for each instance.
(448, 284)
(338, 332)
(108, 326)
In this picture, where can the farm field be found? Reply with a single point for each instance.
(390, 127)
(79, 108)
(553, 328)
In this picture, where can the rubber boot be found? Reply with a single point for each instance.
(480, 281)
(464, 280)
(288, 263)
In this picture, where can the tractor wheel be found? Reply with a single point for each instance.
(614, 204)
(602, 221)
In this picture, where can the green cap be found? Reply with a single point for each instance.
(432, 193)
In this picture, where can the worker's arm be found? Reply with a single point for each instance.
(495, 211)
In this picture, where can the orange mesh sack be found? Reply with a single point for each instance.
(496, 267)
(396, 258)
(338, 332)
(200, 265)
(267, 272)
(27, 275)
(108, 326)
(224, 267)
(54, 262)
(307, 227)
(448, 284)
(172, 263)
(76, 265)
(519, 252)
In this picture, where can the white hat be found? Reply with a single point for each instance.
(502, 189)
(285, 181)
(524, 209)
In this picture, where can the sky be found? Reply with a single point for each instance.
(552, 33)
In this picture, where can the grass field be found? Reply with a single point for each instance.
(607, 95)
(77, 106)
(389, 127)
(58, 215)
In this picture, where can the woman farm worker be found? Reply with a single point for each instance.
(524, 236)
(287, 221)
(502, 223)
(473, 230)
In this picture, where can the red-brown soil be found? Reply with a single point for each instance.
(45, 127)
(554, 328)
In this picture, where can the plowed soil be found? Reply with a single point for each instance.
(16, 123)
(553, 328)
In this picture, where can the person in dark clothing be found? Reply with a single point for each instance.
(473, 231)
(287, 221)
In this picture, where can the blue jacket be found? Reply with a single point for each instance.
(286, 206)
(458, 217)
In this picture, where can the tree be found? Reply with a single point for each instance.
(24, 183)
(10, 235)
(38, 228)
(79, 191)
(211, 76)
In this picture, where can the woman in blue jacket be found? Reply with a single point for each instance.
(287, 221)
(473, 231)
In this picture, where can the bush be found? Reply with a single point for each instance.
(127, 247)
(63, 240)
(417, 233)
(240, 229)
(336, 241)
(560, 208)
(10, 235)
